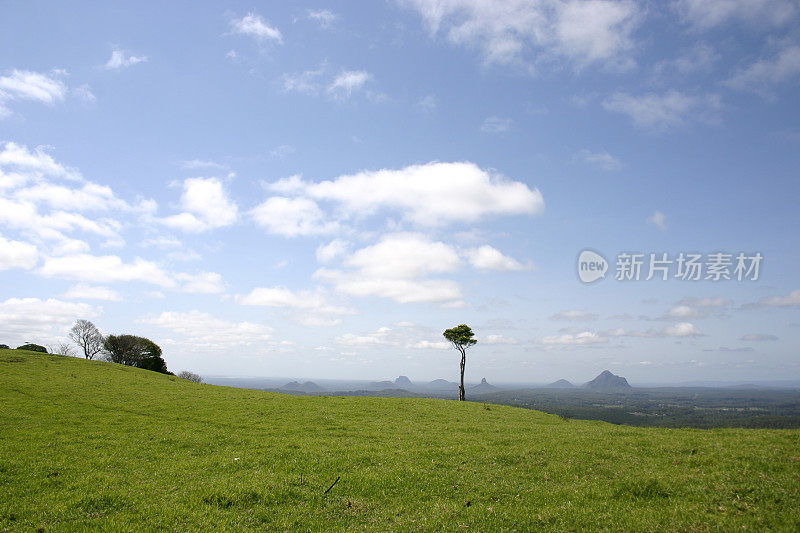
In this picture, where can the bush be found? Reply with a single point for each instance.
(4, 347)
(190, 376)
(32, 348)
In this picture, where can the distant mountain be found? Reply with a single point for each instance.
(561, 384)
(483, 388)
(403, 381)
(442, 384)
(308, 386)
(380, 385)
(608, 381)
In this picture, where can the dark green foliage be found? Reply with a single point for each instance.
(3, 346)
(32, 348)
(460, 336)
(132, 350)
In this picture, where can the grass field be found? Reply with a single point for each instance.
(98, 446)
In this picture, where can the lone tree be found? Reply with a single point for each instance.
(461, 337)
(88, 337)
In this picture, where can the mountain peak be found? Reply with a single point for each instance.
(606, 380)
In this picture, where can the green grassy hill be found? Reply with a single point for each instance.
(90, 445)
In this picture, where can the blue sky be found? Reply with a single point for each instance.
(320, 189)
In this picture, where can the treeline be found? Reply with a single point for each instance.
(125, 349)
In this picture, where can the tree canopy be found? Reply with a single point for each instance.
(135, 351)
(460, 336)
(88, 337)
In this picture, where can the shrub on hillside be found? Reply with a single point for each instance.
(4, 347)
(32, 348)
(190, 376)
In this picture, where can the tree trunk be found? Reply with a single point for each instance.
(461, 395)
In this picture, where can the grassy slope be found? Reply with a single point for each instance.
(101, 446)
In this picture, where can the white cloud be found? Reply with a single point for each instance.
(717, 301)
(323, 17)
(17, 254)
(764, 74)
(282, 297)
(119, 60)
(306, 82)
(201, 283)
(496, 125)
(397, 267)
(90, 197)
(291, 217)
(404, 255)
(430, 345)
(281, 151)
(759, 337)
(664, 111)
(683, 312)
(349, 81)
(328, 252)
(431, 194)
(574, 314)
(313, 308)
(697, 59)
(659, 220)
(83, 291)
(162, 242)
(104, 269)
(84, 93)
(39, 321)
(706, 14)
(255, 26)
(399, 290)
(603, 160)
(291, 185)
(499, 339)
(28, 85)
(204, 331)
(681, 329)
(24, 216)
(374, 339)
(583, 338)
(407, 336)
(18, 165)
(520, 31)
(791, 299)
(206, 204)
(193, 164)
(487, 258)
